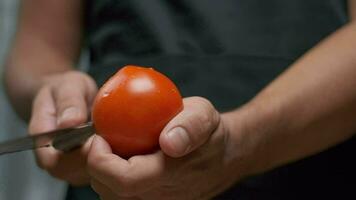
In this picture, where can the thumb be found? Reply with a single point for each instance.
(190, 128)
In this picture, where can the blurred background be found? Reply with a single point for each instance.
(20, 178)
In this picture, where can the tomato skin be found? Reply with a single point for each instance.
(132, 107)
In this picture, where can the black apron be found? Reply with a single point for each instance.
(226, 51)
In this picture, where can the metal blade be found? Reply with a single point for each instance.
(62, 139)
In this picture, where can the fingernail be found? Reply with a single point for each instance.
(179, 140)
(67, 114)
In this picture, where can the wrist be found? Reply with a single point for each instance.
(239, 147)
(249, 129)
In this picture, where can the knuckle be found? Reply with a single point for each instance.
(90, 81)
(84, 78)
(208, 115)
(203, 121)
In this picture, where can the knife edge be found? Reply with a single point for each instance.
(61, 139)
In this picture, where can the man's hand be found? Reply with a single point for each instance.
(64, 100)
(195, 161)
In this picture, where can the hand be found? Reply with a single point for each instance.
(195, 161)
(64, 100)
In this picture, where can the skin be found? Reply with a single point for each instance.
(40, 71)
(312, 103)
(352, 10)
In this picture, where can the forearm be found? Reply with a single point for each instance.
(309, 108)
(47, 42)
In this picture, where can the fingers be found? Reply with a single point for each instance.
(63, 101)
(189, 129)
(43, 113)
(125, 177)
(43, 119)
(71, 103)
(141, 174)
(68, 166)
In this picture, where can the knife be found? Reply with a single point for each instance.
(62, 139)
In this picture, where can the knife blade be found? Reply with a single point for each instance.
(62, 139)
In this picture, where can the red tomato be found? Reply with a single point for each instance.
(132, 107)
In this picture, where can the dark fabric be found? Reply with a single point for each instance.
(328, 175)
(81, 193)
(276, 28)
(227, 51)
